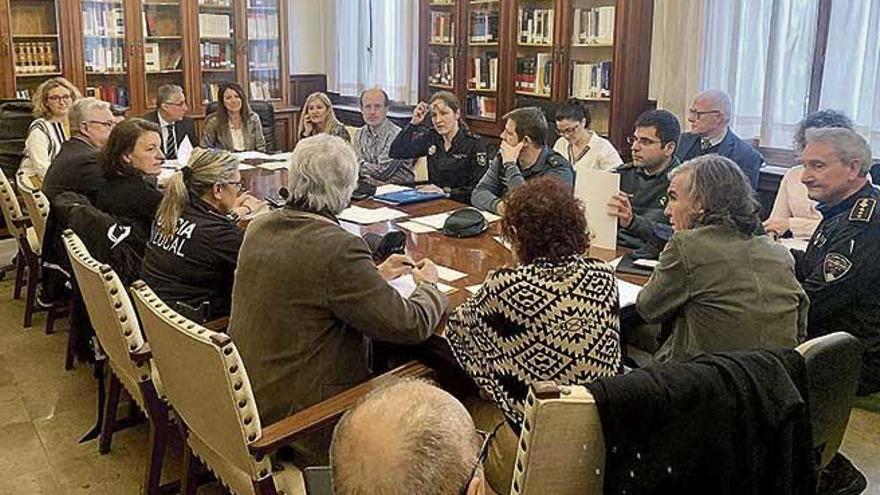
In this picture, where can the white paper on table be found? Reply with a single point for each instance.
(282, 156)
(616, 261)
(646, 263)
(273, 165)
(171, 164)
(627, 292)
(416, 228)
(446, 289)
(489, 216)
(434, 221)
(473, 289)
(184, 151)
(390, 188)
(253, 155)
(798, 244)
(595, 188)
(365, 216)
(449, 274)
(406, 285)
(503, 242)
(245, 166)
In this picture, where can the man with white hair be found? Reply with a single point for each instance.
(308, 298)
(709, 116)
(408, 437)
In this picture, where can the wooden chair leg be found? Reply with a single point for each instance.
(71, 343)
(30, 301)
(190, 476)
(158, 443)
(19, 275)
(109, 424)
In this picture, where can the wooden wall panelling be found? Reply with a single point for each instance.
(302, 85)
(7, 56)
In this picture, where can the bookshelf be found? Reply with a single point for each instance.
(515, 53)
(163, 47)
(34, 45)
(218, 46)
(264, 50)
(442, 45)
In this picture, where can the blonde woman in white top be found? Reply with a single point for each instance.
(52, 101)
(583, 148)
(793, 211)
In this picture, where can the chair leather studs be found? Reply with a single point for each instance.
(248, 420)
(252, 437)
(227, 351)
(233, 368)
(242, 403)
(238, 386)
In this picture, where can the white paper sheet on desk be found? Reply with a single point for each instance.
(436, 221)
(502, 241)
(644, 263)
(366, 216)
(416, 228)
(245, 166)
(616, 261)
(390, 188)
(406, 285)
(171, 164)
(595, 188)
(627, 292)
(798, 244)
(253, 155)
(473, 289)
(184, 150)
(273, 165)
(449, 274)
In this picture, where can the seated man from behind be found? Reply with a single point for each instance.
(643, 182)
(718, 286)
(408, 438)
(524, 155)
(709, 115)
(372, 143)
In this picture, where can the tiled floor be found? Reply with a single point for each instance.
(44, 410)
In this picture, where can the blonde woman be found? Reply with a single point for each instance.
(52, 102)
(191, 255)
(318, 118)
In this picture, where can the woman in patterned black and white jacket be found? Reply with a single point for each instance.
(552, 317)
(52, 100)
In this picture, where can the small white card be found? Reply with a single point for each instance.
(448, 274)
(595, 188)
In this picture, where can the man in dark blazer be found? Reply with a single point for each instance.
(709, 116)
(170, 114)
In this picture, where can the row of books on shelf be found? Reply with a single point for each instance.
(103, 19)
(441, 69)
(215, 25)
(265, 89)
(104, 57)
(215, 3)
(534, 74)
(156, 60)
(535, 26)
(481, 106)
(36, 57)
(484, 26)
(24, 94)
(117, 95)
(484, 72)
(264, 57)
(252, 4)
(442, 27)
(217, 55)
(593, 26)
(262, 25)
(591, 80)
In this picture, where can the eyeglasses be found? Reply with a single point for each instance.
(176, 103)
(697, 114)
(641, 140)
(239, 186)
(567, 130)
(56, 98)
(109, 123)
(481, 457)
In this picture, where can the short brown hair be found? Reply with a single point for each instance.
(529, 122)
(543, 219)
(122, 140)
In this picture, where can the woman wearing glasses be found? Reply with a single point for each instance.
(52, 102)
(584, 148)
(192, 252)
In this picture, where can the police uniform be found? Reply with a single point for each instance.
(500, 178)
(839, 273)
(457, 170)
(650, 228)
(197, 263)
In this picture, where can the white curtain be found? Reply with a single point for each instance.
(677, 54)
(851, 80)
(350, 60)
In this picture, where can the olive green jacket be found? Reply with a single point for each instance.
(718, 290)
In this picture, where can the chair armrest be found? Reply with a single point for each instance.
(142, 354)
(22, 222)
(218, 325)
(282, 432)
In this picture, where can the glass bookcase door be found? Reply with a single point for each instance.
(591, 55)
(217, 47)
(36, 44)
(483, 48)
(163, 46)
(104, 51)
(264, 50)
(534, 34)
(441, 45)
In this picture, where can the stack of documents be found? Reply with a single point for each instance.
(366, 216)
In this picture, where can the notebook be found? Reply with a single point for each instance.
(408, 197)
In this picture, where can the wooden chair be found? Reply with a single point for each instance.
(37, 206)
(561, 448)
(207, 385)
(833, 364)
(116, 326)
(27, 269)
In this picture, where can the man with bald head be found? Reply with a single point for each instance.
(372, 143)
(404, 438)
(709, 116)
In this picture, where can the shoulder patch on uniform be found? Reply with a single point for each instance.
(432, 149)
(556, 160)
(863, 210)
(835, 266)
(481, 159)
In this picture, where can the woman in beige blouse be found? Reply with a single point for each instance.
(234, 126)
(318, 118)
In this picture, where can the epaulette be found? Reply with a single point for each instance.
(556, 160)
(863, 210)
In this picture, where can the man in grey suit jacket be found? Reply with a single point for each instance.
(170, 114)
(709, 116)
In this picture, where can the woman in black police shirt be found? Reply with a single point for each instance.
(193, 249)
(456, 158)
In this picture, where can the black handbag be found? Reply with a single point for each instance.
(466, 222)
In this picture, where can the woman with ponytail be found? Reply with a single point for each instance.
(192, 251)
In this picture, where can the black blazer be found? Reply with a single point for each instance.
(747, 157)
(185, 127)
(76, 169)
